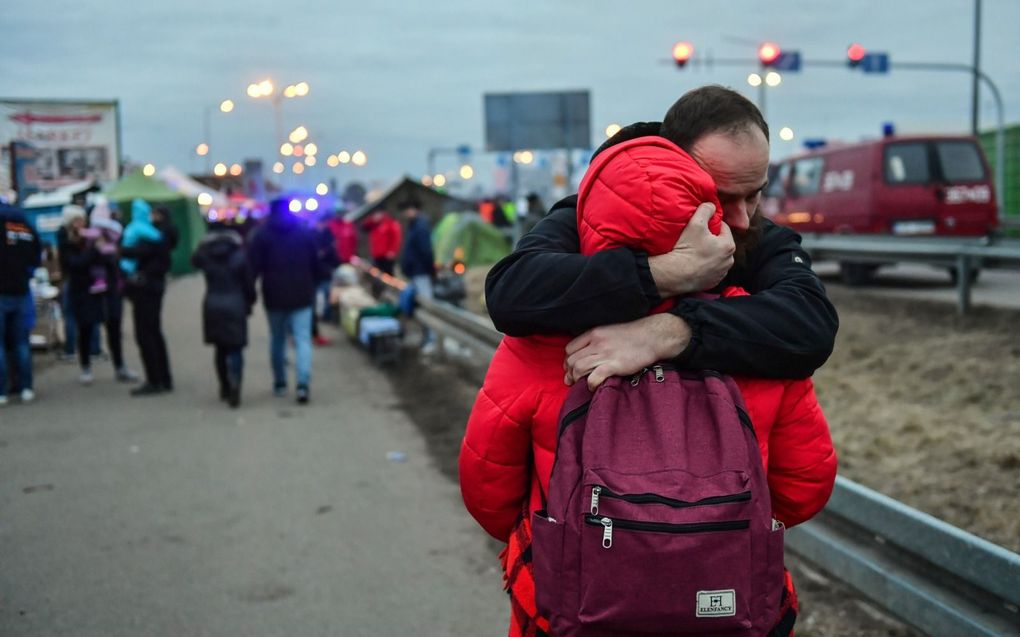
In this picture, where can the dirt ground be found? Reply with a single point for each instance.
(922, 405)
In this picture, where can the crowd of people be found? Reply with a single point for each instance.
(102, 263)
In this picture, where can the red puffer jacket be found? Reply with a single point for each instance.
(384, 236)
(639, 193)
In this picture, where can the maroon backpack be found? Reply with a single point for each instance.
(658, 519)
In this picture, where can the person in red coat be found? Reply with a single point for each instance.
(384, 239)
(641, 194)
(345, 236)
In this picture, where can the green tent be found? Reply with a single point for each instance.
(467, 237)
(184, 212)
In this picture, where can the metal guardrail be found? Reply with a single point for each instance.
(964, 254)
(932, 575)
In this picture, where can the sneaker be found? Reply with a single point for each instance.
(302, 395)
(64, 357)
(27, 395)
(147, 390)
(280, 390)
(125, 375)
(322, 341)
(3, 401)
(86, 376)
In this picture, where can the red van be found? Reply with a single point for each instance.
(919, 185)
(931, 185)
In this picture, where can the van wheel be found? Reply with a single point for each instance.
(855, 274)
(954, 275)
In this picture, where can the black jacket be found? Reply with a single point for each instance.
(154, 260)
(80, 260)
(19, 251)
(229, 291)
(785, 329)
(418, 257)
(284, 253)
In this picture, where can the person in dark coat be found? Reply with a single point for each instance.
(229, 297)
(90, 266)
(146, 262)
(418, 261)
(283, 252)
(328, 261)
(19, 256)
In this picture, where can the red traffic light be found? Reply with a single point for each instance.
(682, 52)
(768, 53)
(854, 54)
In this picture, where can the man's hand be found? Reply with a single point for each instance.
(624, 348)
(699, 261)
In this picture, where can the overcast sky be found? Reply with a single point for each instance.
(396, 78)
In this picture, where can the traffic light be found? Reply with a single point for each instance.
(768, 53)
(682, 52)
(854, 54)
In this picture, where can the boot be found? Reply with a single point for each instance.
(234, 392)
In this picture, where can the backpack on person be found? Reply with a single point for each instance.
(658, 519)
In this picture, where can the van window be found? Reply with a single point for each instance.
(960, 162)
(778, 176)
(907, 164)
(807, 175)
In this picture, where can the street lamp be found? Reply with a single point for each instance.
(265, 89)
(786, 133)
(202, 150)
(359, 158)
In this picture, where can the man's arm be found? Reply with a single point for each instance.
(545, 286)
(786, 328)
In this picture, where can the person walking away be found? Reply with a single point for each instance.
(418, 262)
(384, 238)
(641, 193)
(110, 231)
(229, 297)
(20, 254)
(69, 215)
(328, 261)
(284, 254)
(90, 265)
(145, 252)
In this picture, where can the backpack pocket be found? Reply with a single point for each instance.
(547, 559)
(666, 552)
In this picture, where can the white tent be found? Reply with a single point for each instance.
(59, 197)
(188, 187)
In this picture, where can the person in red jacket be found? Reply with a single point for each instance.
(384, 239)
(641, 194)
(345, 236)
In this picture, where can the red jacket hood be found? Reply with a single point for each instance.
(641, 194)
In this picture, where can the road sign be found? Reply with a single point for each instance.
(787, 61)
(875, 63)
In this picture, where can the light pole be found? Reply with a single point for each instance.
(204, 148)
(266, 89)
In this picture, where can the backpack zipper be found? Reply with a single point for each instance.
(572, 416)
(608, 524)
(651, 498)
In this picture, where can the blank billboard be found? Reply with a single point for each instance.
(537, 121)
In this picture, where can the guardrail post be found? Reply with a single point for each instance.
(963, 274)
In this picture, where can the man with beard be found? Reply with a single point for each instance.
(784, 329)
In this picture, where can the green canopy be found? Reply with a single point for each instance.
(468, 238)
(184, 212)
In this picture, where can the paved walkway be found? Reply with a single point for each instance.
(174, 515)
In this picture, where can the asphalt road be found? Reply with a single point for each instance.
(174, 515)
(994, 288)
